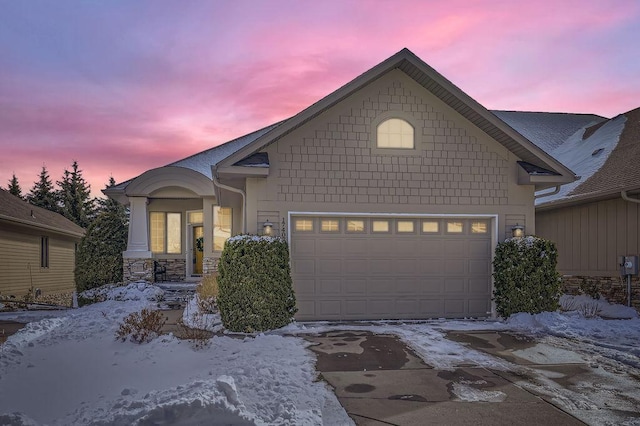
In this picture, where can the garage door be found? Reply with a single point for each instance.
(391, 267)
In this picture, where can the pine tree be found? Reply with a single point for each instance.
(42, 193)
(14, 187)
(74, 197)
(99, 256)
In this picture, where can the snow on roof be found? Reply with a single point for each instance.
(202, 161)
(586, 157)
(547, 129)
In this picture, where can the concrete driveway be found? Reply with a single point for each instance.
(380, 381)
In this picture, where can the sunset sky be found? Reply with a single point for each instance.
(124, 86)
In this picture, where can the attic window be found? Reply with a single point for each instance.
(597, 151)
(395, 133)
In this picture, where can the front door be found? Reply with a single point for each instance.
(197, 249)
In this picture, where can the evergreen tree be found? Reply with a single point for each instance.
(74, 197)
(99, 256)
(14, 187)
(42, 193)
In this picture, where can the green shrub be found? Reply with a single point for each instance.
(525, 276)
(254, 279)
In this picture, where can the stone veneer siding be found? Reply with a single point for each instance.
(135, 269)
(210, 265)
(340, 163)
(614, 289)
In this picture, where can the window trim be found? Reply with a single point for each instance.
(44, 252)
(401, 115)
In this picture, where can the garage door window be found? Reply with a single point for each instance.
(303, 225)
(380, 226)
(455, 227)
(479, 227)
(356, 226)
(329, 225)
(405, 226)
(430, 226)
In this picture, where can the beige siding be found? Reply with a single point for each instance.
(20, 262)
(332, 164)
(590, 236)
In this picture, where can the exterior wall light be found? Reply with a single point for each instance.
(267, 228)
(517, 231)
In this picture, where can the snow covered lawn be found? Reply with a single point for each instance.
(67, 368)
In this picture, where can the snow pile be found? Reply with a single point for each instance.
(139, 290)
(245, 237)
(80, 374)
(590, 307)
(465, 392)
(192, 317)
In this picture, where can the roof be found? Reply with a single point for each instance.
(14, 209)
(439, 86)
(202, 161)
(547, 129)
(606, 156)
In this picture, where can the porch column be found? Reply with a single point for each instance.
(137, 260)
(138, 244)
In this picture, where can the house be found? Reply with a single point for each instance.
(37, 249)
(392, 191)
(595, 219)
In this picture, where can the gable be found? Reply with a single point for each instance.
(334, 157)
(440, 87)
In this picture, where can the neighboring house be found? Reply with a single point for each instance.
(595, 219)
(37, 249)
(393, 192)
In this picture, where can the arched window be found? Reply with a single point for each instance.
(395, 133)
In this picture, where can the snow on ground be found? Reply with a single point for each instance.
(71, 370)
(68, 368)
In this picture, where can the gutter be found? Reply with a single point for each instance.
(217, 184)
(546, 194)
(52, 229)
(626, 197)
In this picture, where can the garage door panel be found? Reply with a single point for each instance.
(355, 286)
(330, 286)
(454, 285)
(329, 266)
(328, 246)
(479, 267)
(391, 275)
(304, 247)
(480, 248)
(479, 307)
(456, 247)
(381, 267)
(354, 245)
(355, 266)
(431, 267)
(329, 308)
(356, 307)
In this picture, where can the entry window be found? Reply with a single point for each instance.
(329, 225)
(355, 225)
(222, 221)
(455, 227)
(395, 133)
(479, 227)
(303, 225)
(380, 226)
(195, 217)
(165, 232)
(405, 226)
(44, 252)
(430, 226)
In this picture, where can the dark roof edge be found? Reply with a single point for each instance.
(50, 228)
(585, 198)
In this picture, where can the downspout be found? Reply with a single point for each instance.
(627, 198)
(546, 194)
(237, 191)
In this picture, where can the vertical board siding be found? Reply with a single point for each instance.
(590, 237)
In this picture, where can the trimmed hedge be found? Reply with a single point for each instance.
(254, 279)
(525, 276)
